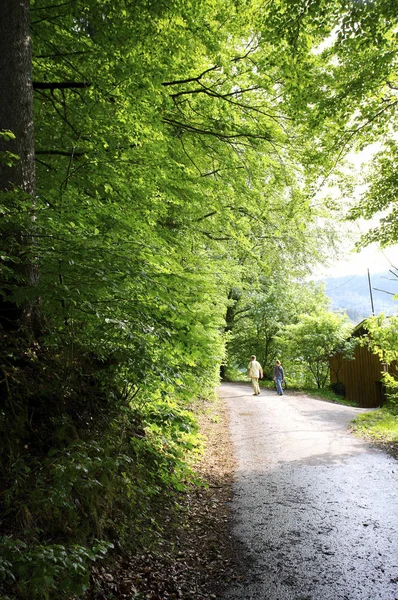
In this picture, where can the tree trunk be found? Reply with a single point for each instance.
(234, 294)
(17, 180)
(16, 93)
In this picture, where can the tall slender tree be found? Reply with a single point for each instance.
(16, 108)
(17, 161)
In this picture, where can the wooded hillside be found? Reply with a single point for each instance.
(351, 294)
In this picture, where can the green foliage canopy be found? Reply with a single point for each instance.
(167, 171)
(344, 56)
(314, 340)
(382, 339)
(263, 310)
(164, 159)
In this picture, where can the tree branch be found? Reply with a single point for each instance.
(212, 237)
(210, 92)
(238, 58)
(61, 54)
(60, 153)
(62, 85)
(53, 100)
(218, 134)
(211, 173)
(226, 97)
(190, 79)
(51, 6)
(49, 167)
(210, 214)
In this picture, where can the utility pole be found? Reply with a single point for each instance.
(371, 295)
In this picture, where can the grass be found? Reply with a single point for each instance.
(380, 425)
(326, 394)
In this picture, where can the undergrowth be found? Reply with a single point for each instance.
(88, 466)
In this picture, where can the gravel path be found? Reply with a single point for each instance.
(315, 508)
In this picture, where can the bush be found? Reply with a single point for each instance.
(39, 572)
(338, 388)
(84, 456)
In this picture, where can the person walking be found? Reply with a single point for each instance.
(254, 371)
(279, 377)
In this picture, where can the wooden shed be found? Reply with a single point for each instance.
(360, 376)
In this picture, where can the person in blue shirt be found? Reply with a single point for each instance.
(279, 377)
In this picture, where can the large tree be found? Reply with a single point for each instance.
(17, 167)
(16, 111)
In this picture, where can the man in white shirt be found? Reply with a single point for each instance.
(254, 371)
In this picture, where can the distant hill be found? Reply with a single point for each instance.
(351, 293)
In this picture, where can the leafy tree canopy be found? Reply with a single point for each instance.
(262, 311)
(382, 339)
(314, 340)
(166, 165)
(344, 92)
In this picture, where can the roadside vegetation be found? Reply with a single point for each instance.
(328, 395)
(381, 425)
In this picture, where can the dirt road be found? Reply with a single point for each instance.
(315, 508)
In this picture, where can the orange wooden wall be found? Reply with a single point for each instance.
(361, 377)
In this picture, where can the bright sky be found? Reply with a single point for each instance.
(371, 257)
(358, 263)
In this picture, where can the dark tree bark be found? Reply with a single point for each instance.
(16, 93)
(234, 294)
(16, 115)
